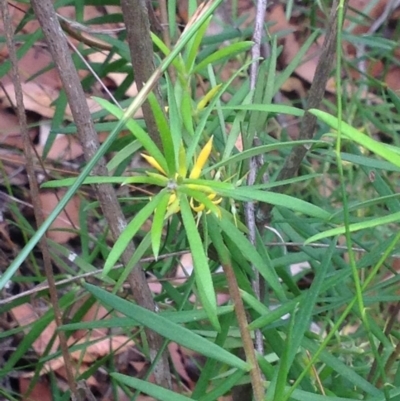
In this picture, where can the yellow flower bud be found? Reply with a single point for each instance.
(207, 97)
(153, 162)
(201, 160)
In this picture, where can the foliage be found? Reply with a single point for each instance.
(320, 342)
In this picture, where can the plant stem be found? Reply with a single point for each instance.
(136, 18)
(255, 373)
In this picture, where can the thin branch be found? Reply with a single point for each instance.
(58, 47)
(44, 286)
(79, 277)
(257, 39)
(249, 208)
(162, 4)
(234, 292)
(34, 190)
(136, 18)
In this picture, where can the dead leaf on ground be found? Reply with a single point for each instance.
(25, 315)
(41, 391)
(65, 226)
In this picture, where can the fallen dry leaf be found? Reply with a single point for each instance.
(41, 391)
(65, 225)
(24, 315)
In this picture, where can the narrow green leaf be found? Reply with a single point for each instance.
(355, 135)
(158, 223)
(67, 182)
(174, 113)
(223, 387)
(26, 45)
(271, 76)
(133, 262)
(391, 218)
(165, 133)
(168, 329)
(247, 154)
(193, 46)
(301, 395)
(56, 121)
(382, 200)
(223, 54)
(187, 112)
(369, 162)
(131, 229)
(157, 392)
(250, 253)
(217, 240)
(203, 277)
(188, 316)
(308, 303)
(269, 316)
(290, 202)
(268, 108)
(279, 381)
(141, 135)
(123, 154)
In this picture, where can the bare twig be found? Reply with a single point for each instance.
(79, 277)
(136, 17)
(88, 137)
(44, 286)
(255, 373)
(34, 189)
(256, 378)
(164, 22)
(257, 38)
(249, 208)
(308, 123)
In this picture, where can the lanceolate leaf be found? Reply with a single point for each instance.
(167, 328)
(355, 135)
(165, 133)
(158, 223)
(142, 136)
(131, 229)
(252, 256)
(157, 392)
(247, 154)
(391, 218)
(290, 202)
(204, 281)
(222, 54)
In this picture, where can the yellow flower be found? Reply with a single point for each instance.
(173, 183)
